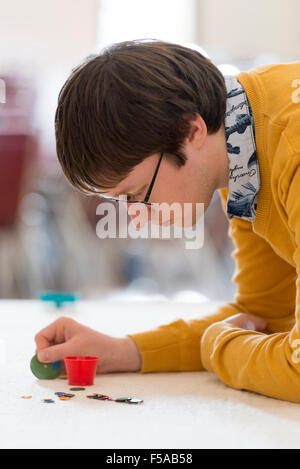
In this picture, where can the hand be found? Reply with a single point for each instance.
(66, 337)
(248, 322)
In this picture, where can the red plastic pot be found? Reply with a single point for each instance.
(81, 370)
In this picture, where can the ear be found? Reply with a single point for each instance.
(197, 132)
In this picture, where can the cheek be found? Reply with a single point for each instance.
(164, 214)
(139, 212)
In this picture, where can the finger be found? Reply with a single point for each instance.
(54, 333)
(55, 353)
(260, 324)
(41, 342)
(253, 323)
(248, 322)
(235, 320)
(46, 336)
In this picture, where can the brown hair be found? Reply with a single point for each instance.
(132, 100)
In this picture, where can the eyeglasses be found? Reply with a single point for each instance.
(145, 201)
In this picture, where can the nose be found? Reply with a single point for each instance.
(140, 216)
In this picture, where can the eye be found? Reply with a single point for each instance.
(132, 197)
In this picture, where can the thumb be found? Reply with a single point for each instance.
(54, 353)
(254, 323)
(260, 324)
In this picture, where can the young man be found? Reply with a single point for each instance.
(152, 108)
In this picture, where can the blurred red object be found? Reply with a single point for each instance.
(15, 146)
(12, 165)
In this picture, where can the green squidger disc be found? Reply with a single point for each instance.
(45, 370)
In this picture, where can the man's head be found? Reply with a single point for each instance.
(120, 110)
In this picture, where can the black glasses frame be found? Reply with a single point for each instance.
(145, 201)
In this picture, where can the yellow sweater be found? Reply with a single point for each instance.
(267, 255)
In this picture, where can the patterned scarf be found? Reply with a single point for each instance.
(244, 178)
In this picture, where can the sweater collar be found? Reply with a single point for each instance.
(244, 177)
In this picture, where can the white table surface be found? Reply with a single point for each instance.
(180, 410)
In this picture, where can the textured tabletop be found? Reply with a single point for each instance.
(180, 410)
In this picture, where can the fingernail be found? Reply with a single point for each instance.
(44, 357)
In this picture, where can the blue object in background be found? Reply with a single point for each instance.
(58, 298)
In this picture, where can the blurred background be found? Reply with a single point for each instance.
(48, 231)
